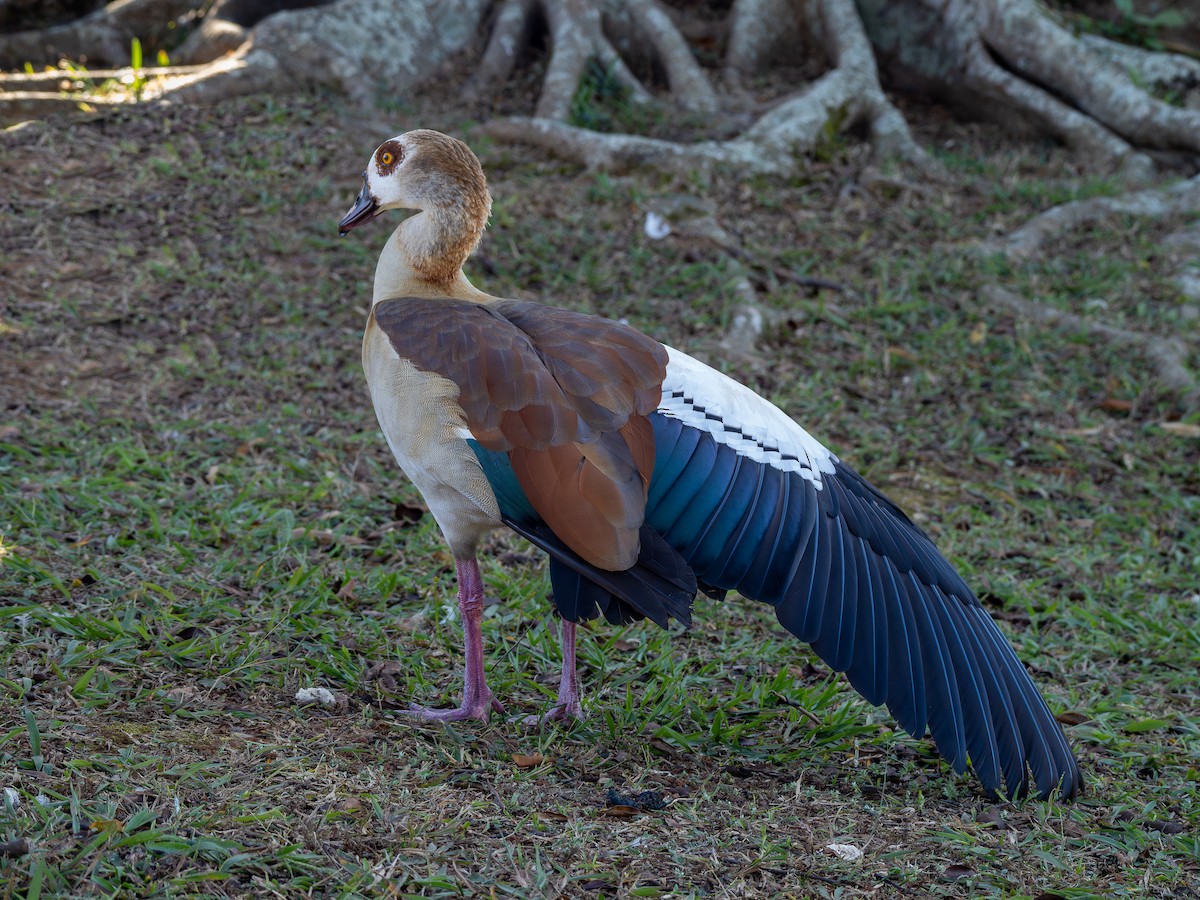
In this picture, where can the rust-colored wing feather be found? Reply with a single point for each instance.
(565, 394)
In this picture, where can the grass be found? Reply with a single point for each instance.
(198, 518)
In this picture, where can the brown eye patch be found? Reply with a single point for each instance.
(388, 156)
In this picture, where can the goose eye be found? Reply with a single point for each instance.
(388, 156)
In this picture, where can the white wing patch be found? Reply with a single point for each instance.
(703, 398)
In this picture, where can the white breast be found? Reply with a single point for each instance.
(419, 415)
(703, 398)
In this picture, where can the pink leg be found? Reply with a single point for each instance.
(567, 706)
(477, 700)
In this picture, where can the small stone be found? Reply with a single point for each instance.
(319, 695)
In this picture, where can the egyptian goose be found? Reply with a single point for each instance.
(647, 475)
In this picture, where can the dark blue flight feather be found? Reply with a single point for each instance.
(845, 569)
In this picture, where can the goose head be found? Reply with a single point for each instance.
(442, 179)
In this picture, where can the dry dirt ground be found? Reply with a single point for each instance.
(199, 518)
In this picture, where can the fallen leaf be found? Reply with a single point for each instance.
(1116, 404)
(978, 333)
(14, 847)
(955, 872)
(411, 624)
(210, 475)
(408, 513)
(9, 432)
(346, 591)
(1166, 827)
(625, 646)
(521, 761)
(663, 747)
(848, 852)
(552, 816)
(385, 673)
(644, 800)
(599, 884)
(1073, 718)
(250, 447)
(620, 812)
(108, 826)
(990, 816)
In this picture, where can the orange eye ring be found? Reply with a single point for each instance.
(387, 157)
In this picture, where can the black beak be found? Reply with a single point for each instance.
(365, 208)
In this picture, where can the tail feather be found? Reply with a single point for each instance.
(660, 586)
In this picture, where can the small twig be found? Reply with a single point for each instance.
(809, 714)
(780, 272)
(813, 876)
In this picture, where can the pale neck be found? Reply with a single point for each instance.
(423, 258)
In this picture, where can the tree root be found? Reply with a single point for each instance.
(576, 36)
(1151, 68)
(1097, 145)
(1167, 356)
(1015, 53)
(1029, 240)
(351, 46)
(848, 95)
(1042, 50)
(686, 80)
(758, 29)
(102, 37)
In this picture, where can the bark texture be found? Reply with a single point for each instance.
(363, 49)
(1167, 355)
(1016, 59)
(847, 96)
(1013, 59)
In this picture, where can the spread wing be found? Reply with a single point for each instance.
(563, 395)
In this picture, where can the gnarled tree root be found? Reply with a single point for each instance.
(1030, 239)
(576, 36)
(103, 37)
(1167, 356)
(845, 97)
(1015, 53)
